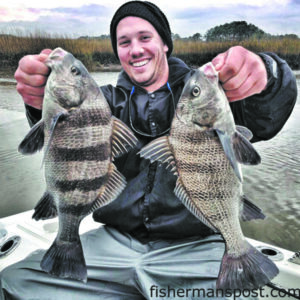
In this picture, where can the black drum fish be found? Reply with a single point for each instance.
(81, 138)
(204, 149)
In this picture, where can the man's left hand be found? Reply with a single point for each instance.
(242, 73)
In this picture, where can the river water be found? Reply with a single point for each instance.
(274, 185)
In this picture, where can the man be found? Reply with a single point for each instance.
(150, 240)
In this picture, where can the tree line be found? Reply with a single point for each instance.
(234, 31)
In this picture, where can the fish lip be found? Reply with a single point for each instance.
(202, 125)
(56, 55)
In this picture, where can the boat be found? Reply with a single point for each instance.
(20, 235)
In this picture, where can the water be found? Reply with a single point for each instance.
(274, 185)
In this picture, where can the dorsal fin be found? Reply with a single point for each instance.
(122, 138)
(111, 189)
(160, 150)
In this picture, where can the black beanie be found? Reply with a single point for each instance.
(147, 11)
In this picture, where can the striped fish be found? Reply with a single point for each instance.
(80, 139)
(204, 150)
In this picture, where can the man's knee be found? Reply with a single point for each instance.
(11, 280)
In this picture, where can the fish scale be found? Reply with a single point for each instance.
(73, 189)
(204, 150)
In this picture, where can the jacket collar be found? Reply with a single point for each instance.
(177, 70)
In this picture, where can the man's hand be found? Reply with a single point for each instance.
(31, 77)
(242, 73)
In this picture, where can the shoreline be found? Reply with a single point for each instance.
(7, 72)
(97, 67)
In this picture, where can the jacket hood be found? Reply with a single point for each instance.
(177, 70)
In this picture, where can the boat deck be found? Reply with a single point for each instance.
(20, 235)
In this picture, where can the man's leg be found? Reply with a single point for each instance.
(111, 273)
(186, 269)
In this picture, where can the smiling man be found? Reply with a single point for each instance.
(142, 53)
(150, 242)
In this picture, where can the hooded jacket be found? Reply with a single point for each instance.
(148, 208)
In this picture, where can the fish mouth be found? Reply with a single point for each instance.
(202, 125)
(56, 55)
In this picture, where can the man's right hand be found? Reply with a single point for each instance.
(31, 77)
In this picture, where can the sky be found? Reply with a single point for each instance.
(74, 18)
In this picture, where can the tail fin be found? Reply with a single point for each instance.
(248, 271)
(65, 260)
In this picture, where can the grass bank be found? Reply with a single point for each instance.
(98, 54)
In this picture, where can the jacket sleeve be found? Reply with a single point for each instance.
(266, 113)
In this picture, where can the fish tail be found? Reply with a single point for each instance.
(45, 208)
(65, 257)
(250, 270)
(65, 260)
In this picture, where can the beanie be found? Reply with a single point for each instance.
(147, 11)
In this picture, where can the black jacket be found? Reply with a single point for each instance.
(148, 208)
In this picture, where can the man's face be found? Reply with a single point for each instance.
(142, 53)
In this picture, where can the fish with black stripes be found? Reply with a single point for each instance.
(204, 150)
(81, 138)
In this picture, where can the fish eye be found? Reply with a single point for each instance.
(196, 91)
(75, 71)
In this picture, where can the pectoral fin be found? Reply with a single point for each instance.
(226, 142)
(34, 140)
(54, 122)
(244, 131)
(244, 151)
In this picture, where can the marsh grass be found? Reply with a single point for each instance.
(96, 53)
(197, 53)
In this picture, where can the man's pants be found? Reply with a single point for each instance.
(120, 267)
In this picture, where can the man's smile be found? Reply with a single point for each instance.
(140, 63)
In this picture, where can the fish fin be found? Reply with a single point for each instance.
(244, 150)
(122, 138)
(45, 208)
(34, 140)
(65, 257)
(182, 194)
(250, 210)
(65, 260)
(54, 122)
(244, 131)
(250, 270)
(229, 152)
(111, 189)
(160, 150)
